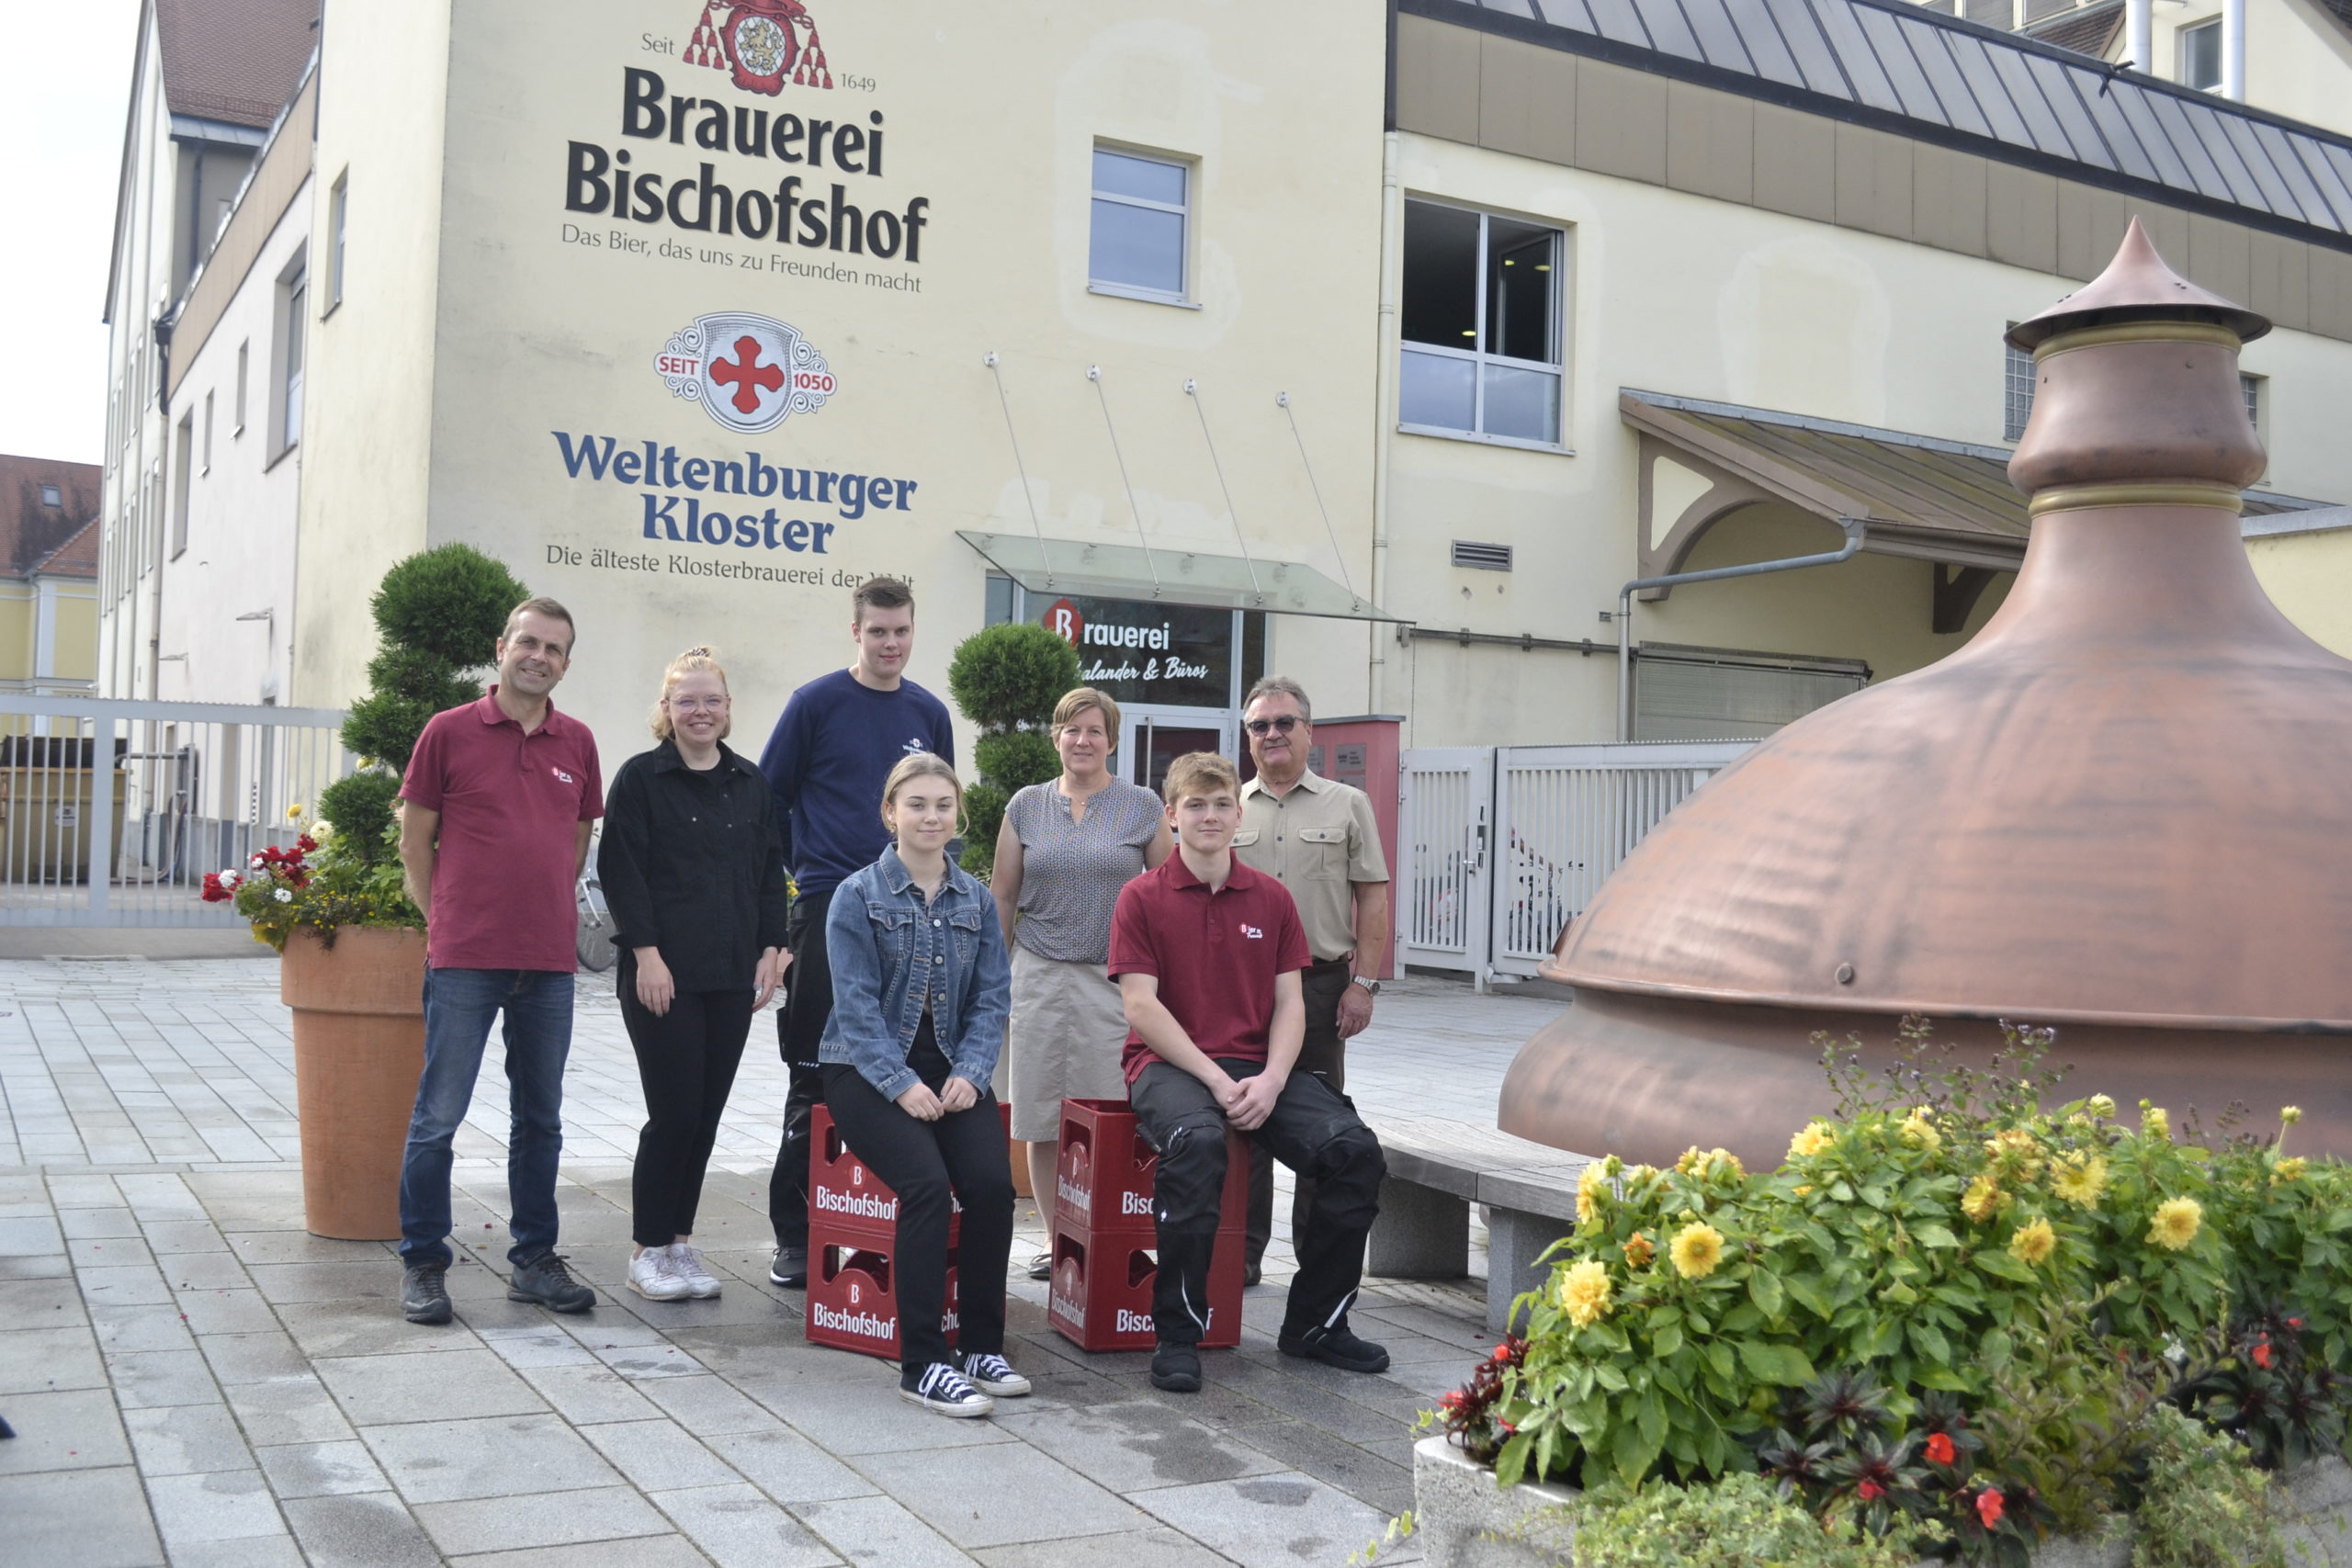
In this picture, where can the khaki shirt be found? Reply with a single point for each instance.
(1316, 840)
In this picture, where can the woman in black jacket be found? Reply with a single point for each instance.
(694, 872)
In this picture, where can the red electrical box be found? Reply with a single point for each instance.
(1102, 1181)
(852, 1299)
(1100, 1295)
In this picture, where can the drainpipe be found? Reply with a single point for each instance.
(2234, 51)
(1856, 531)
(2139, 34)
(1392, 220)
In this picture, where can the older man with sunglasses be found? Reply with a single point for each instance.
(1317, 837)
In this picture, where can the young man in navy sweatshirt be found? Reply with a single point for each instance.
(839, 737)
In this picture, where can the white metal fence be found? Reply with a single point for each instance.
(1502, 846)
(111, 812)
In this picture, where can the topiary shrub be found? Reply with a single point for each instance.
(1007, 679)
(440, 614)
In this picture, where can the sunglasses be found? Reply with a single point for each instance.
(1281, 725)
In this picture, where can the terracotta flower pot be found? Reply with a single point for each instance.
(358, 1051)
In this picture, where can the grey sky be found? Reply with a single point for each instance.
(64, 82)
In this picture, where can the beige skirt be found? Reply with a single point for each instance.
(1064, 1040)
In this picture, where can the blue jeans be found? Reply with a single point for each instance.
(459, 1005)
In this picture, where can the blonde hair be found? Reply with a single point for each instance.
(1066, 712)
(1199, 773)
(918, 765)
(694, 661)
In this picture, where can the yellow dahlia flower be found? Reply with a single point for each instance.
(1983, 1196)
(2154, 1122)
(2290, 1114)
(1811, 1141)
(2033, 1242)
(1584, 1293)
(1697, 1250)
(1920, 1131)
(1638, 1250)
(1591, 1184)
(2177, 1224)
(2079, 1178)
(2292, 1169)
(2101, 1107)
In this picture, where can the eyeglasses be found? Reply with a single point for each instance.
(700, 704)
(1281, 726)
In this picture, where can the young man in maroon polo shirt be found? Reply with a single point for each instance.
(495, 822)
(1207, 953)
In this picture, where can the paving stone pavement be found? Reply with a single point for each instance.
(197, 1381)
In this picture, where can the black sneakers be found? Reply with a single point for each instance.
(790, 1269)
(942, 1388)
(546, 1281)
(993, 1375)
(1176, 1367)
(424, 1293)
(1335, 1345)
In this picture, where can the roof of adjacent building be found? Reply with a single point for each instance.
(236, 60)
(2087, 29)
(31, 531)
(1892, 64)
(77, 557)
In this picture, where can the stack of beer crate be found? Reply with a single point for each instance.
(854, 1250)
(1105, 1248)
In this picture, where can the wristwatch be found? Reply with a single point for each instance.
(1366, 981)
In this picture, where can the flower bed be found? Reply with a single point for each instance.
(1956, 1321)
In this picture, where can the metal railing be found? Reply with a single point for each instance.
(1502, 846)
(111, 812)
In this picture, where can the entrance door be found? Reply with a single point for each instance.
(1151, 738)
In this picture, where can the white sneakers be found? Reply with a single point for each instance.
(686, 1263)
(671, 1273)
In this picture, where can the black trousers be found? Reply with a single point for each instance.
(1324, 1053)
(1316, 1131)
(686, 1059)
(924, 1162)
(799, 1028)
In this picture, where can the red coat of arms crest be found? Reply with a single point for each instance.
(762, 42)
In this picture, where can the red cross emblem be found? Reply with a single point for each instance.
(746, 374)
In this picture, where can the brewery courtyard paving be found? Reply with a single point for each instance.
(196, 1380)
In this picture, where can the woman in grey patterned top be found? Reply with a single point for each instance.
(1065, 851)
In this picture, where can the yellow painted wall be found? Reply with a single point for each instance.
(77, 633)
(18, 616)
(2309, 576)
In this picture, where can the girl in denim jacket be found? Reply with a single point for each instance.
(921, 989)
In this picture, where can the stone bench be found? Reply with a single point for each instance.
(1437, 1168)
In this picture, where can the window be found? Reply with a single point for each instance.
(2200, 55)
(183, 454)
(1481, 326)
(2016, 392)
(293, 318)
(2250, 386)
(337, 205)
(50, 495)
(239, 428)
(1141, 213)
(208, 432)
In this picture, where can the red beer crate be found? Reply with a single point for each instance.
(847, 1199)
(852, 1299)
(1104, 1176)
(1100, 1294)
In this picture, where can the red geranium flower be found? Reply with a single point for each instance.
(1988, 1506)
(2262, 1354)
(1870, 1491)
(1939, 1449)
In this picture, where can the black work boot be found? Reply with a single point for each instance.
(545, 1279)
(424, 1293)
(1176, 1367)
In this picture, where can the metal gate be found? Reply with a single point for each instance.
(1562, 818)
(1443, 835)
(111, 812)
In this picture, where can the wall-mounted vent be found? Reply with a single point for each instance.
(1481, 557)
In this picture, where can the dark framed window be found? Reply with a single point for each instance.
(1480, 319)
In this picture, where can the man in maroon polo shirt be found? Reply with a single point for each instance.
(1207, 953)
(495, 811)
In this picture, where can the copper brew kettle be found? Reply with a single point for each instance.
(2124, 809)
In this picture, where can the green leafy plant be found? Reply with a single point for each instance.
(1742, 1521)
(439, 614)
(2202, 1504)
(322, 882)
(1954, 1301)
(1007, 679)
